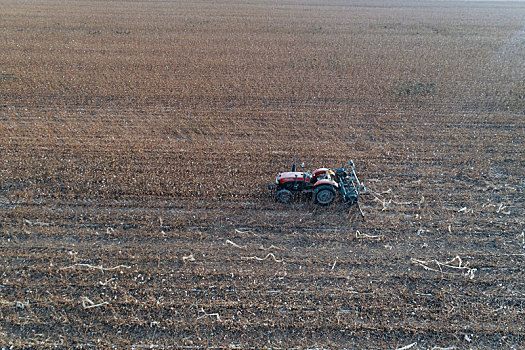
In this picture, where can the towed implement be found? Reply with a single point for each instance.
(322, 185)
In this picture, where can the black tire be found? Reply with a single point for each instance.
(324, 194)
(284, 196)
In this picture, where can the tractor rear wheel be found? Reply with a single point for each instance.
(324, 194)
(284, 196)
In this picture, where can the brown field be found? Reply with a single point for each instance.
(137, 139)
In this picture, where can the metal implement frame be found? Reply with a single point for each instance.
(351, 187)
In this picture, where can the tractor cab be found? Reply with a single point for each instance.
(322, 174)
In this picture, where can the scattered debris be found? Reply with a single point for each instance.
(364, 235)
(21, 305)
(500, 210)
(37, 223)
(106, 282)
(215, 314)
(235, 244)
(88, 304)
(270, 247)
(98, 267)
(409, 346)
(188, 258)
(466, 210)
(333, 266)
(269, 255)
(468, 272)
(245, 232)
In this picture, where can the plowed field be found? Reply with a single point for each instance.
(137, 139)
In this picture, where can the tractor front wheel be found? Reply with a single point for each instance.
(324, 194)
(284, 196)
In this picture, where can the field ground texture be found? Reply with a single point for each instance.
(137, 140)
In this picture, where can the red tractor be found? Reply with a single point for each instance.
(322, 184)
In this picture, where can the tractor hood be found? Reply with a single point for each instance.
(290, 176)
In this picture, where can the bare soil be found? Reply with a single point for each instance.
(137, 140)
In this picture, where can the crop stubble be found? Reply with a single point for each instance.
(137, 140)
